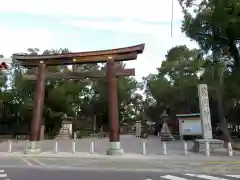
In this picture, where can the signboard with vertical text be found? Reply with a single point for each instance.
(205, 111)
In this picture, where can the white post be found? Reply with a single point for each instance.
(94, 126)
(207, 149)
(158, 134)
(230, 151)
(74, 135)
(164, 148)
(9, 146)
(185, 148)
(56, 146)
(143, 147)
(92, 147)
(73, 146)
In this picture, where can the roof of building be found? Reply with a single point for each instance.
(188, 115)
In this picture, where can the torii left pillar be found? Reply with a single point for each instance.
(33, 146)
(114, 139)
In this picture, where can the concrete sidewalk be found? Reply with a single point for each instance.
(126, 156)
(131, 145)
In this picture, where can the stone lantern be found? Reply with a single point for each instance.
(165, 132)
(66, 128)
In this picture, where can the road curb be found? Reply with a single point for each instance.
(127, 157)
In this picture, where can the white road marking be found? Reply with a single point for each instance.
(234, 176)
(27, 162)
(39, 162)
(171, 177)
(3, 175)
(206, 177)
(74, 164)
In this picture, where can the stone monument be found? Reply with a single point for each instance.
(205, 122)
(205, 111)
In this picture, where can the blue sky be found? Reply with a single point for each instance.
(92, 25)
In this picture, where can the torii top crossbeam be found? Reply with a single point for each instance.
(119, 54)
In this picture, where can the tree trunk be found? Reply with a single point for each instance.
(218, 79)
(219, 91)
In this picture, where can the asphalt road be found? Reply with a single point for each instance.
(61, 174)
(99, 169)
(123, 165)
(94, 169)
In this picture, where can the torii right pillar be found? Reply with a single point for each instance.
(114, 137)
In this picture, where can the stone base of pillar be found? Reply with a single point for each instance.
(33, 148)
(115, 149)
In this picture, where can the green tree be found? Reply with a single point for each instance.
(214, 26)
(213, 22)
(174, 87)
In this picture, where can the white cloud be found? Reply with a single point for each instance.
(155, 50)
(19, 39)
(155, 35)
(122, 26)
(149, 10)
(157, 39)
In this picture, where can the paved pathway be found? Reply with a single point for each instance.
(129, 143)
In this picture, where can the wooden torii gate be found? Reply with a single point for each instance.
(109, 56)
(77, 76)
